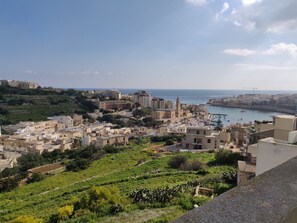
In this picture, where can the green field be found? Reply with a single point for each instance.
(35, 105)
(42, 199)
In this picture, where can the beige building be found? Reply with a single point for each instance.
(163, 115)
(114, 105)
(283, 126)
(201, 137)
(21, 145)
(67, 121)
(160, 103)
(143, 98)
(110, 140)
(77, 119)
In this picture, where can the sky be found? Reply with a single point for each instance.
(150, 44)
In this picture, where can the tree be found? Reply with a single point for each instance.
(9, 183)
(78, 164)
(29, 161)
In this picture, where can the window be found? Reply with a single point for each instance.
(198, 132)
(199, 140)
(208, 140)
(204, 132)
(195, 140)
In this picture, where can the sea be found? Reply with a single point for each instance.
(234, 115)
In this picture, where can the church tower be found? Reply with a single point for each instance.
(178, 108)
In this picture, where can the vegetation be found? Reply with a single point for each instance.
(227, 157)
(142, 112)
(66, 195)
(18, 104)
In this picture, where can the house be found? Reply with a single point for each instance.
(201, 137)
(110, 140)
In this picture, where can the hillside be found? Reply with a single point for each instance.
(36, 104)
(124, 171)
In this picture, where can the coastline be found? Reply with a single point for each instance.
(256, 108)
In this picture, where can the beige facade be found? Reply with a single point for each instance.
(21, 145)
(111, 140)
(77, 119)
(163, 114)
(160, 103)
(225, 136)
(143, 98)
(114, 104)
(284, 124)
(201, 137)
(20, 84)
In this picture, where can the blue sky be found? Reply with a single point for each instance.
(170, 44)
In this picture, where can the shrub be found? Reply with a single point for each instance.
(78, 164)
(26, 219)
(227, 157)
(9, 183)
(169, 142)
(66, 212)
(176, 161)
(35, 178)
(192, 165)
(220, 188)
(185, 202)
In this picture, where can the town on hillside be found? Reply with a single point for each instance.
(113, 121)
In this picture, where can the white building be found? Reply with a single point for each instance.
(65, 120)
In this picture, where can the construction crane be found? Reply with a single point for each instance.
(216, 120)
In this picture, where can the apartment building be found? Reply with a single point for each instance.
(20, 84)
(143, 98)
(114, 105)
(112, 94)
(160, 103)
(201, 137)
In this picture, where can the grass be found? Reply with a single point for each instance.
(42, 199)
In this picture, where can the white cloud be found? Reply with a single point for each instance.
(239, 52)
(197, 2)
(265, 67)
(249, 2)
(268, 16)
(31, 72)
(282, 48)
(225, 7)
